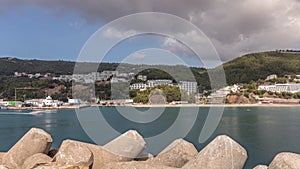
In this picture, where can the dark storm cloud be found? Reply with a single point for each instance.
(234, 26)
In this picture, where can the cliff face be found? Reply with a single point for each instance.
(239, 99)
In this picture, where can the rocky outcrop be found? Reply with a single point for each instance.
(221, 153)
(177, 154)
(33, 142)
(261, 167)
(35, 160)
(285, 161)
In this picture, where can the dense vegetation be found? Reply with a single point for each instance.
(260, 65)
(32, 88)
(168, 93)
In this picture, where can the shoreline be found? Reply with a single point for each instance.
(158, 105)
(220, 105)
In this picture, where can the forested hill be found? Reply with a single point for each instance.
(10, 65)
(259, 65)
(240, 70)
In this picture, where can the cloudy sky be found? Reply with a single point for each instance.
(57, 29)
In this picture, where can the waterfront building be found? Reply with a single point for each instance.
(48, 101)
(270, 77)
(190, 87)
(142, 77)
(138, 86)
(153, 83)
(292, 88)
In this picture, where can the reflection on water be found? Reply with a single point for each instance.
(263, 131)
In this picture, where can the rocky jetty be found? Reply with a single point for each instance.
(127, 151)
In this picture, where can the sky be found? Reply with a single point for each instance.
(58, 29)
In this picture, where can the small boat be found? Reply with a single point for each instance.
(3, 108)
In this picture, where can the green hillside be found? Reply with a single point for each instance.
(10, 65)
(259, 65)
(240, 70)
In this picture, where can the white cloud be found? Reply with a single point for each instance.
(235, 27)
(114, 33)
(138, 56)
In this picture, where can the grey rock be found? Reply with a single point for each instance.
(221, 153)
(33, 142)
(101, 156)
(177, 154)
(285, 161)
(261, 167)
(130, 144)
(74, 153)
(35, 160)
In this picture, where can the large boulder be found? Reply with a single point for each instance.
(100, 155)
(135, 165)
(35, 160)
(177, 154)
(285, 161)
(33, 142)
(261, 167)
(221, 153)
(130, 144)
(74, 153)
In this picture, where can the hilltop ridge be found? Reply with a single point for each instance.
(240, 70)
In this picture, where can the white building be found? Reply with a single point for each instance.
(142, 77)
(153, 83)
(34, 102)
(48, 101)
(292, 88)
(270, 77)
(74, 101)
(139, 86)
(190, 87)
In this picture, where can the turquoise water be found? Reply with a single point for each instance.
(263, 131)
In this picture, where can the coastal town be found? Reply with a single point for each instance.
(272, 90)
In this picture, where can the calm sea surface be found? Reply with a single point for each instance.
(263, 131)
